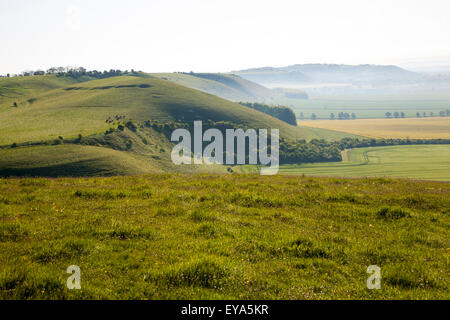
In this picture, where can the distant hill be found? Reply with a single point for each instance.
(273, 77)
(330, 73)
(227, 86)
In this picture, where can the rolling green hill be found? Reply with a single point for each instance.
(54, 110)
(69, 160)
(84, 108)
(18, 88)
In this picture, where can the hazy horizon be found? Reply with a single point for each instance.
(212, 36)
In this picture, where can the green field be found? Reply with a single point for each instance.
(369, 105)
(223, 237)
(428, 162)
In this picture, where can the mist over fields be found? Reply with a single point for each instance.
(349, 79)
(365, 90)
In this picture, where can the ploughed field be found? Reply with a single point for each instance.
(223, 237)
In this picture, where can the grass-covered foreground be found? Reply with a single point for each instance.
(223, 236)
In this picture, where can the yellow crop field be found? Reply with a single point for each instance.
(417, 128)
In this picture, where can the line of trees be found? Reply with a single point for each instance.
(442, 113)
(300, 151)
(340, 116)
(343, 116)
(280, 112)
(291, 151)
(75, 72)
(395, 115)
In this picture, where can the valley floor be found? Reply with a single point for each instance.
(427, 162)
(223, 237)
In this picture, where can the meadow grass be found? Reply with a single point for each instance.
(223, 237)
(71, 160)
(427, 162)
(17, 88)
(413, 128)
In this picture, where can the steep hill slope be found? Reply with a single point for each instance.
(70, 160)
(17, 88)
(227, 86)
(85, 107)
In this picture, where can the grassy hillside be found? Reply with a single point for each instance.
(84, 108)
(414, 128)
(427, 162)
(16, 89)
(82, 160)
(223, 237)
(84, 111)
(70, 160)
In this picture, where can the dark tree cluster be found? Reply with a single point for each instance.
(82, 72)
(442, 113)
(76, 72)
(343, 116)
(300, 151)
(291, 151)
(280, 112)
(349, 143)
(395, 115)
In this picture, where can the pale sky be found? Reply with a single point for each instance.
(219, 36)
